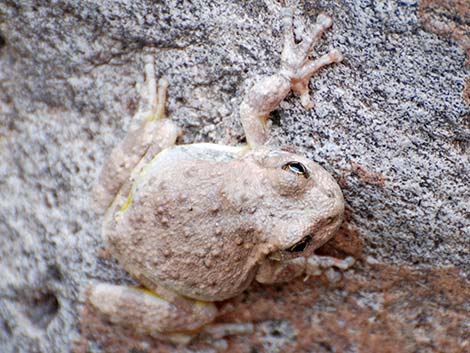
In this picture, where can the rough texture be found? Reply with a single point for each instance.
(390, 123)
(376, 308)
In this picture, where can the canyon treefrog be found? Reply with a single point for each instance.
(198, 223)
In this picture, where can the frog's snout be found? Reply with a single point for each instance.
(334, 195)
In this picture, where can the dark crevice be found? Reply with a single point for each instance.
(41, 309)
(7, 328)
(54, 273)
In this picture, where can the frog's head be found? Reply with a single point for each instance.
(303, 203)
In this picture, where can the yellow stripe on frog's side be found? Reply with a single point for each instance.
(128, 202)
(198, 303)
(142, 171)
(245, 149)
(201, 303)
(154, 117)
(150, 292)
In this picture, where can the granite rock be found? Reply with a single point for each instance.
(390, 122)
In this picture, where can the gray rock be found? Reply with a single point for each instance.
(389, 122)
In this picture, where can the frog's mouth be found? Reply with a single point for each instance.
(313, 238)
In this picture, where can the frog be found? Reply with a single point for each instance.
(196, 224)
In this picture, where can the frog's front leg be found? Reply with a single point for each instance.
(148, 134)
(295, 73)
(273, 271)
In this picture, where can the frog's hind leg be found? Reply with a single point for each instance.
(148, 313)
(149, 133)
(167, 317)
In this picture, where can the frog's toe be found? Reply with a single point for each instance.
(317, 265)
(218, 331)
(324, 21)
(152, 95)
(296, 64)
(214, 334)
(311, 37)
(336, 56)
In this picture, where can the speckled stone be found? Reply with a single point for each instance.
(389, 123)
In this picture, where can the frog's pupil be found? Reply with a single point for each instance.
(296, 168)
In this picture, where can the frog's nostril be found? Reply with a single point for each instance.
(331, 220)
(330, 194)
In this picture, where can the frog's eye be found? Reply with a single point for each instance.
(301, 245)
(297, 168)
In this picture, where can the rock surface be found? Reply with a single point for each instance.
(391, 123)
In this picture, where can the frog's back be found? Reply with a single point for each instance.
(178, 223)
(197, 151)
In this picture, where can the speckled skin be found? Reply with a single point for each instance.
(205, 237)
(198, 223)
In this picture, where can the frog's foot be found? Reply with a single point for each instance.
(328, 265)
(217, 331)
(214, 334)
(274, 271)
(296, 64)
(294, 74)
(145, 312)
(149, 133)
(150, 129)
(152, 95)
